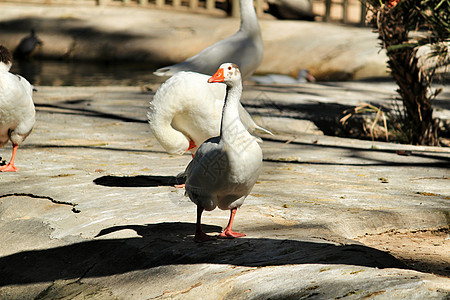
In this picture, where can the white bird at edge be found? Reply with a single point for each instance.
(17, 112)
(225, 168)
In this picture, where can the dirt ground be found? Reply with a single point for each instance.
(425, 250)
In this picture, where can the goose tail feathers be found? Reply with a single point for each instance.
(257, 127)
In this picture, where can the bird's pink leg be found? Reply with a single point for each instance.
(228, 232)
(10, 167)
(200, 236)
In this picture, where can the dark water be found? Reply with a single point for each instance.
(75, 73)
(82, 73)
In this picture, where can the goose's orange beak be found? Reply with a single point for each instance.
(218, 77)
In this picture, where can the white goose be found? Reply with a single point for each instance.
(17, 113)
(244, 48)
(225, 168)
(186, 111)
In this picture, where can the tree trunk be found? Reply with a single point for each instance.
(414, 84)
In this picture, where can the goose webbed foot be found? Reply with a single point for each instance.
(201, 237)
(228, 234)
(8, 168)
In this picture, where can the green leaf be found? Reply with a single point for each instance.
(402, 46)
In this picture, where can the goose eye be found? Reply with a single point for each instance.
(229, 68)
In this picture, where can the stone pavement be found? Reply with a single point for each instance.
(92, 212)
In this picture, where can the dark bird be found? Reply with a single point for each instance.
(28, 46)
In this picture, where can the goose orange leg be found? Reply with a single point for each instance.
(192, 145)
(228, 232)
(200, 236)
(10, 166)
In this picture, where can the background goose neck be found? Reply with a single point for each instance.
(249, 21)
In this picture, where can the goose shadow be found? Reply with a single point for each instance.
(139, 181)
(172, 243)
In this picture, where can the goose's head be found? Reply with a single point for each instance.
(227, 73)
(5, 59)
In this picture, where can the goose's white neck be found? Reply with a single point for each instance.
(5, 66)
(231, 125)
(249, 21)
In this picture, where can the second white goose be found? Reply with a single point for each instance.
(186, 111)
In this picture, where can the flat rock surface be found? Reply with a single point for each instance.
(92, 212)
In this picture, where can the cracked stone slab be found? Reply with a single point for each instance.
(93, 212)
